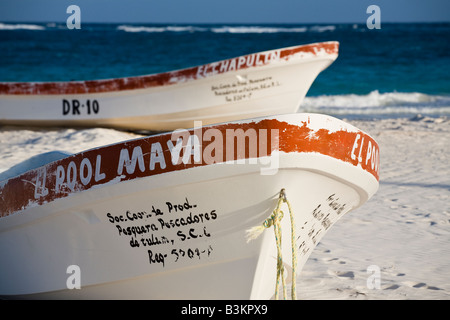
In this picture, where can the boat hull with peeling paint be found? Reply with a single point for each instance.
(166, 216)
(255, 85)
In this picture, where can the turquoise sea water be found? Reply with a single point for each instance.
(398, 70)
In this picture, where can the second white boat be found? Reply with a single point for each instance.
(254, 85)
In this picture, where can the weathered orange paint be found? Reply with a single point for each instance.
(147, 81)
(18, 193)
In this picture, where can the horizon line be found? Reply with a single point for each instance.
(224, 23)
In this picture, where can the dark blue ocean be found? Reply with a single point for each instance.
(398, 70)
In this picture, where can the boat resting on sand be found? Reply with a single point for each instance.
(167, 216)
(254, 85)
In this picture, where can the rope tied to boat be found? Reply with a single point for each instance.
(275, 221)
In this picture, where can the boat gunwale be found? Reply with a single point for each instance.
(329, 48)
(347, 144)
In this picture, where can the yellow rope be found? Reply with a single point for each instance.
(275, 221)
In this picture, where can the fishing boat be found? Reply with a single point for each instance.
(254, 85)
(186, 214)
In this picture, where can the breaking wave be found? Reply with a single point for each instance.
(376, 104)
(151, 29)
(4, 26)
(226, 29)
(185, 28)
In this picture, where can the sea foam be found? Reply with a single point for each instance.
(379, 104)
(4, 26)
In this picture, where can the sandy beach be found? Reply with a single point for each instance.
(403, 231)
(396, 246)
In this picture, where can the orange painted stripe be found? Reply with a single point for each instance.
(84, 171)
(161, 79)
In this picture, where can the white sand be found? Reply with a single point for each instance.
(403, 231)
(18, 144)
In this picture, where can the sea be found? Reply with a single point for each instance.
(399, 70)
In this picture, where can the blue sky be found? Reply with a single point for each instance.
(227, 11)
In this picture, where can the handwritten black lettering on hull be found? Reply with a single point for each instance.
(179, 207)
(156, 257)
(167, 235)
(243, 89)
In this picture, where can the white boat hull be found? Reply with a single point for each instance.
(180, 234)
(261, 84)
